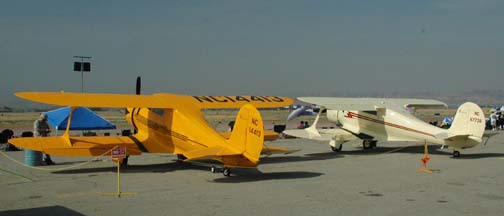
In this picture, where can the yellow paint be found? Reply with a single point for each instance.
(182, 129)
(425, 170)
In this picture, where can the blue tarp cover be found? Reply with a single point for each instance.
(448, 120)
(82, 119)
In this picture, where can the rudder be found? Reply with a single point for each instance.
(248, 133)
(469, 120)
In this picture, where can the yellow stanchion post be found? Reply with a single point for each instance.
(118, 153)
(118, 179)
(425, 159)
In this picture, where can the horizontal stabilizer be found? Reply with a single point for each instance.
(269, 150)
(269, 135)
(80, 146)
(448, 135)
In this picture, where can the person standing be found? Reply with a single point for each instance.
(493, 120)
(41, 129)
(500, 121)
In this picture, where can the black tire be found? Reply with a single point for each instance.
(226, 172)
(337, 149)
(181, 157)
(366, 144)
(373, 143)
(456, 154)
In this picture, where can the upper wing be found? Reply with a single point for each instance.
(219, 102)
(369, 103)
(161, 100)
(99, 100)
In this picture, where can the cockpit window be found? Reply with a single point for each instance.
(158, 111)
(371, 112)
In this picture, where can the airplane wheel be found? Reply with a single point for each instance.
(181, 157)
(226, 172)
(456, 154)
(366, 144)
(213, 169)
(336, 149)
(373, 143)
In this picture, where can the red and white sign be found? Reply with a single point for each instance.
(119, 152)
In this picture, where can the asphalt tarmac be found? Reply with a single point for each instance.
(313, 181)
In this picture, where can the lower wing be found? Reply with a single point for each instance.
(76, 146)
(322, 134)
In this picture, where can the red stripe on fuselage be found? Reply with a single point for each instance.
(352, 115)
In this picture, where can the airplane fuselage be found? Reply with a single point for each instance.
(390, 125)
(171, 131)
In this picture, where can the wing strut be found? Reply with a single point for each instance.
(312, 130)
(66, 135)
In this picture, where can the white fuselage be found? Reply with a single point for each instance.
(390, 125)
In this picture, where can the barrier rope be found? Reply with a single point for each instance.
(16, 174)
(55, 169)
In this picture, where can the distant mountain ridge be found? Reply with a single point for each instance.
(484, 98)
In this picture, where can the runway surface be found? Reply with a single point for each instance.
(313, 181)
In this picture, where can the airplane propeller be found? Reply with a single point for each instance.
(138, 85)
(138, 90)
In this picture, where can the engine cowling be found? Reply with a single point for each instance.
(332, 115)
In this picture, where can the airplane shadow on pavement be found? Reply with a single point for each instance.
(195, 165)
(147, 168)
(49, 210)
(294, 158)
(253, 175)
(416, 149)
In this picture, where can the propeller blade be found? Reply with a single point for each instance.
(138, 85)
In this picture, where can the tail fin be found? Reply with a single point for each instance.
(248, 133)
(469, 122)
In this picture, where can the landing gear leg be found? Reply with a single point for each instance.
(213, 169)
(337, 148)
(456, 154)
(226, 171)
(180, 158)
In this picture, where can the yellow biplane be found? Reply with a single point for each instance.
(166, 123)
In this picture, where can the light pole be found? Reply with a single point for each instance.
(82, 67)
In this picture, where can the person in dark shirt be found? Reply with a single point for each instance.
(41, 129)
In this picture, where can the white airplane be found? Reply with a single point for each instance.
(376, 119)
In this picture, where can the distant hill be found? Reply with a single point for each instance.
(485, 98)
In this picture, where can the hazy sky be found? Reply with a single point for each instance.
(290, 48)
